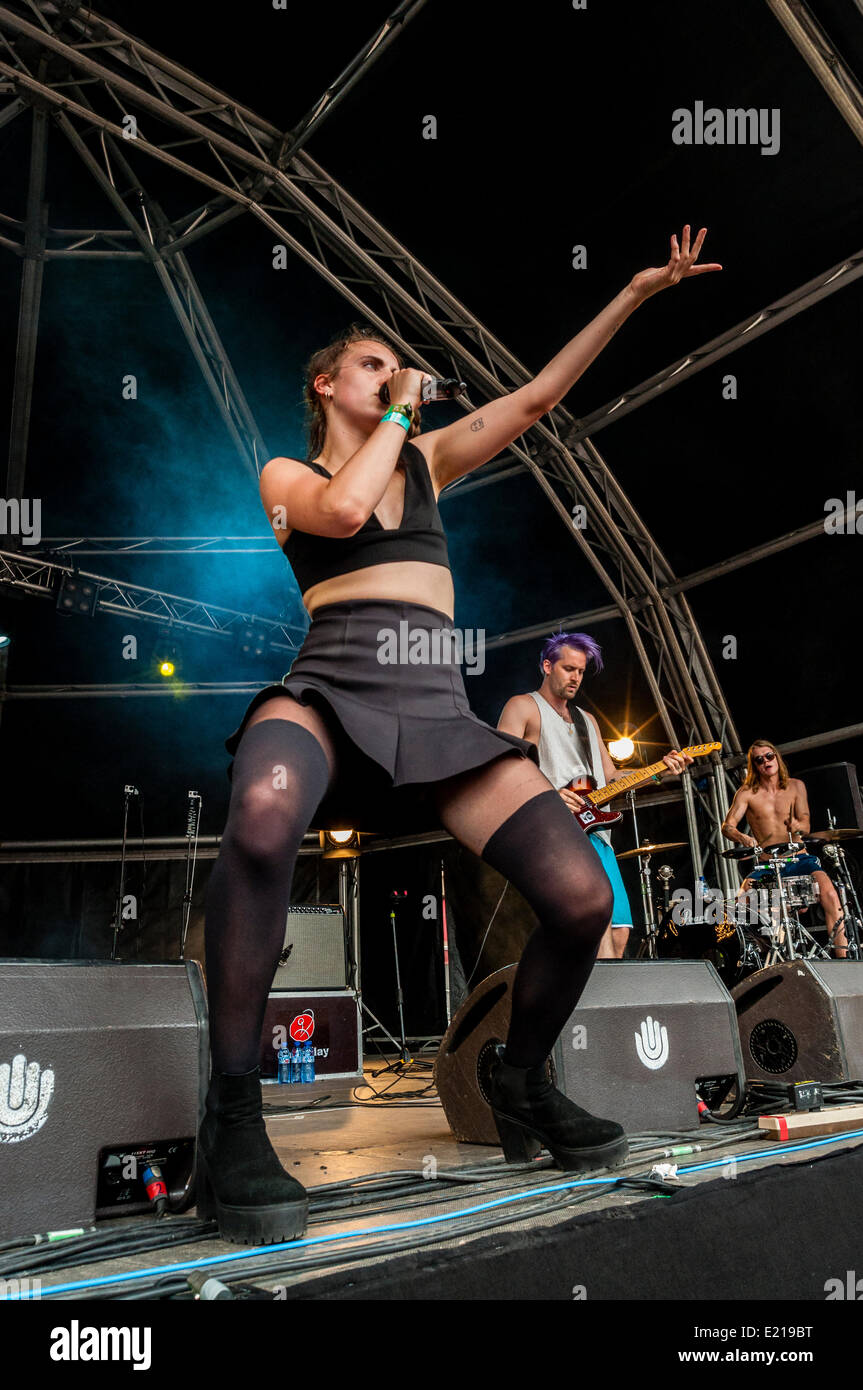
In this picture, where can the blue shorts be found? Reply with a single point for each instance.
(621, 912)
(803, 864)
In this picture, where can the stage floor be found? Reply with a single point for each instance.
(385, 1176)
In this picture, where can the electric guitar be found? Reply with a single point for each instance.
(595, 819)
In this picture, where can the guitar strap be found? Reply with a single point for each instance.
(582, 736)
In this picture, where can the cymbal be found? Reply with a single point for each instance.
(741, 852)
(650, 849)
(835, 835)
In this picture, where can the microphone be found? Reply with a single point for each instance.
(434, 388)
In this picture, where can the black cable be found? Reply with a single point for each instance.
(485, 937)
(275, 1265)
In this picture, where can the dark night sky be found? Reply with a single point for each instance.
(554, 129)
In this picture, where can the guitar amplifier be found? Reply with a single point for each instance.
(315, 954)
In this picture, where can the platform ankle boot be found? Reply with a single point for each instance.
(240, 1182)
(531, 1114)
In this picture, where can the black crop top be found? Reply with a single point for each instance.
(419, 537)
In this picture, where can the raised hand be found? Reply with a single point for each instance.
(681, 264)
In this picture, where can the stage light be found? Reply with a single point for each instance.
(77, 595)
(5, 639)
(340, 844)
(167, 660)
(252, 639)
(621, 749)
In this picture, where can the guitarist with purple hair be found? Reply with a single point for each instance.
(570, 748)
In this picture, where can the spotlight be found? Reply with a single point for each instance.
(252, 640)
(77, 595)
(167, 660)
(621, 749)
(340, 844)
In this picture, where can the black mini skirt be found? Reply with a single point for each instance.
(399, 718)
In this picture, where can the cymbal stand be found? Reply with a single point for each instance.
(851, 916)
(648, 946)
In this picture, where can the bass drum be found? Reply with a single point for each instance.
(733, 951)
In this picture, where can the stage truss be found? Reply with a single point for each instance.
(70, 68)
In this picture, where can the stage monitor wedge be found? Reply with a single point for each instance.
(643, 1035)
(802, 1020)
(95, 1056)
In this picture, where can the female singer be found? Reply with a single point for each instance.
(351, 739)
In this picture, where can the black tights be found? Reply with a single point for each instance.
(280, 775)
(547, 857)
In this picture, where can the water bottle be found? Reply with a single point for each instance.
(285, 1065)
(701, 910)
(296, 1063)
(308, 1064)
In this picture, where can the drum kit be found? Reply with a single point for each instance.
(759, 927)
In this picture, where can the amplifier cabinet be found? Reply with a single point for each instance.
(315, 955)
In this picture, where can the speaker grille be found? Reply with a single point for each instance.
(773, 1046)
(314, 954)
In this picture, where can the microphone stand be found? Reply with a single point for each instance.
(193, 822)
(644, 875)
(445, 932)
(128, 793)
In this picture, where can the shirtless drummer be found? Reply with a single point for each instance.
(777, 808)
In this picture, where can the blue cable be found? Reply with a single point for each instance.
(422, 1221)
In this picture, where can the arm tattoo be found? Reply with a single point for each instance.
(478, 424)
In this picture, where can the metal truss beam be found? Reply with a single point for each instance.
(155, 545)
(230, 151)
(28, 307)
(411, 306)
(818, 50)
(826, 283)
(173, 689)
(176, 279)
(41, 578)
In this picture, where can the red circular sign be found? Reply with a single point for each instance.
(302, 1027)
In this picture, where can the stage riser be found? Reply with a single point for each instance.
(790, 1232)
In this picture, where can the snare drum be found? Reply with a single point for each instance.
(801, 891)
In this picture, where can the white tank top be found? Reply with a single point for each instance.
(559, 755)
